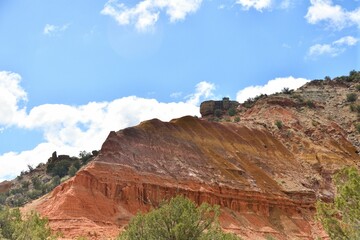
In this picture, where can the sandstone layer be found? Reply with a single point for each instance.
(262, 186)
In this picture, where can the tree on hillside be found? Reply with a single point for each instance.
(341, 219)
(177, 219)
(30, 227)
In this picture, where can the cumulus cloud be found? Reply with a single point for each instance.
(12, 96)
(333, 49)
(146, 13)
(203, 89)
(348, 40)
(51, 30)
(257, 4)
(324, 49)
(334, 16)
(272, 86)
(70, 129)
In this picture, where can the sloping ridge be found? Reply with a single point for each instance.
(228, 164)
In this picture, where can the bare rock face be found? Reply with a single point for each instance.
(262, 187)
(5, 186)
(208, 108)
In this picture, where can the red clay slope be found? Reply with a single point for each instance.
(260, 185)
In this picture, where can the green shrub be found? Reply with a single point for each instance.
(355, 108)
(249, 103)
(357, 87)
(34, 194)
(286, 90)
(327, 78)
(269, 237)
(2, 198)
(354, 76)
(15, 226)
(218, 113)
(279, 124)
(15, 191)
(36, 183)
(237, 119)
(18, 201)
(232, 112)
(358, 127)
(340, 219)
(351, 97)
(310, 104)
(72, 171)
(25, 184)
(177, 219)
(61, 168)
(77, 164)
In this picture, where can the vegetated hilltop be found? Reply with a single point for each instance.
(36, 182)
(265, 162)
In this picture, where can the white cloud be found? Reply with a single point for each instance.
(324, 49)
(11, 98)
(70, 129)
(348, 40)
(334, 49)
(272, 86)
(257, 4)
(203, 89)
(52, 30)
(146, 13)
(335, 16)
(176, 94)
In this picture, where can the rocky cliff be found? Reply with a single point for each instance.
(265, 177)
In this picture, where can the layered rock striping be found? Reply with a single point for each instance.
(232, 165)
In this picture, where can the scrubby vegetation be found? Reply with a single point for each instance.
(354, 76)
(218, 113)
(177, 219)
(29, 227)
(357, 126)
(287, 90)
(351, 97)
(279, 124)
(341, 219)
(232, 112)
(310, 104)
(36, 182)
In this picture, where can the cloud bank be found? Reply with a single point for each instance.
(334, 16)
(272, 86)
(146, 13)
(71, 129)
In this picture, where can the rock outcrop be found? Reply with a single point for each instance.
(5, 186)
(208, 108)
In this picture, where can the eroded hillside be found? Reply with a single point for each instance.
(266, 176)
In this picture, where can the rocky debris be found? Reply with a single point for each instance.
(208, 108)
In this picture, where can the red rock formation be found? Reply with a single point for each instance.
(262, 186)
(5, 186)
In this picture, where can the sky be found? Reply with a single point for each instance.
(71, 71)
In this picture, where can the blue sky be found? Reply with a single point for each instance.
(72, 70)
